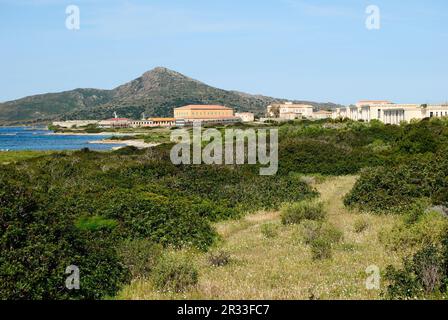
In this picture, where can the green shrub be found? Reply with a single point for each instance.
(331, 233)
(428, 229)
(40, 241)
(168, 220)
(360, 225)
(321, 237)
(219, 258)
(139, 256)
(397, 188)
(175, 273)
(423, 276)
(310, 230)
(321, 249)
(294, 213)
(270, 230)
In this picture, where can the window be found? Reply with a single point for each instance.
(431, 114)
(379, 113)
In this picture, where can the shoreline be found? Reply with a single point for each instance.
(140, 144)
(113, 134)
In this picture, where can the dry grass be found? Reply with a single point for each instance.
(282, 267)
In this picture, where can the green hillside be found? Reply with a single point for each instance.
(155, 93)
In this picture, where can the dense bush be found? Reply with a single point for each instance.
(295, 213)
(419, 228)
(424, 235)
(39, 243)
(424, 275)
(395, 189)
(414, 167)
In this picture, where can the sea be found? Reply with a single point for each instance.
(40, 138)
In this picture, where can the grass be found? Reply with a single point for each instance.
(16, 156)
(95, 223)
(158, 135)
(282, 267)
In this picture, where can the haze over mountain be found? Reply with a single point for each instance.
(155, 93)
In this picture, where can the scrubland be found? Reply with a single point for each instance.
(347, 196)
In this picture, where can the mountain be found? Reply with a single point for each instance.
(155, 93)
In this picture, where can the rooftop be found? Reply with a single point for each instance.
(203, 107)
(117, 119)
(292, 105)
(161, 119)
(374, 102)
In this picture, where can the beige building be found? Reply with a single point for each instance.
(245, 116)
(390, 113)
(206, 114)
(290, 111)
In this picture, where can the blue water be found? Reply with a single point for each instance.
(23, 138)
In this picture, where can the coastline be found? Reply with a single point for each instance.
(140, 144)
(112, 134)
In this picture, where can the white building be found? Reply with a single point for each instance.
(153, 123)
(290, 111)
(115, 123)
(322, 114)
(390, 113)
(245, 116)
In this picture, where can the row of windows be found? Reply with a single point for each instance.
(442, 114)
(437, 114)
(295, 110)
(151, 122)
(208, 113)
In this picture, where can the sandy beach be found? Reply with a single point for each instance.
(114, 134)
(140, 144)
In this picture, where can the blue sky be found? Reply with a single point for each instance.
(298, 49)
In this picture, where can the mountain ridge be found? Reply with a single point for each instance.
(155, 92)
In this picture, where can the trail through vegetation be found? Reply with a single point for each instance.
(281, 267)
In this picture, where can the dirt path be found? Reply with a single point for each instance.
(332, 192)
